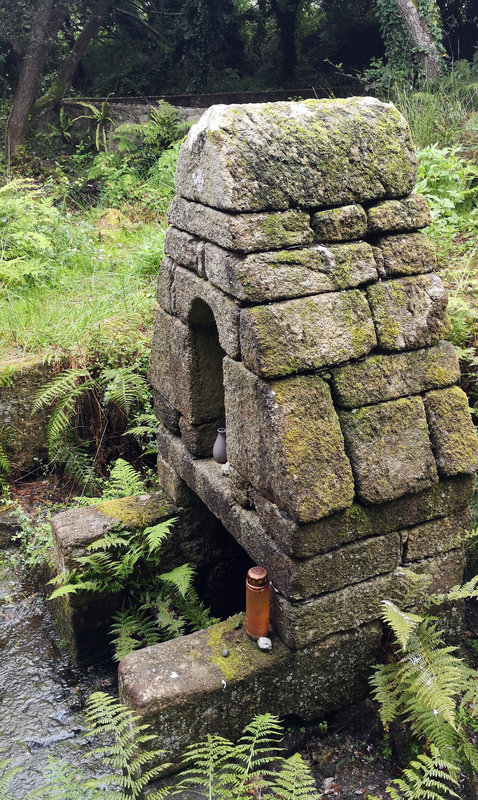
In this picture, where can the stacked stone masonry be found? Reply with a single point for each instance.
(299, 304)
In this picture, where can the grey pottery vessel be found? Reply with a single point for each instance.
(219, 450)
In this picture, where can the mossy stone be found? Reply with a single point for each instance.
(283, 274)
(409, 312)
(305, 334)
(452, 432)
(242, 232)
(389, 449)
(312, 154)
(284, 438)
(386, 377)
(407, 254)
(407, 214)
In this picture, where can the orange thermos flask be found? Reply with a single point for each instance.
(257, 602)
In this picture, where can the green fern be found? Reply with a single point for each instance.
(85, 403)
(431, 689)
(294, 781)
(131, 630)
(179, 578)
(218, 768)
(131, 754)
(156, 606)
(123, 387)
(427, 778)
(156, 535)
(124, 480)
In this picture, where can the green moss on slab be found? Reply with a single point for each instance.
(136, 513)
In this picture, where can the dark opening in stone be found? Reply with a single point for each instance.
(207, 379)
(221, 585)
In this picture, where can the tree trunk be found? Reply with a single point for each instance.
(420, 35)
(46, 23)
(65, 76)
(286, 13)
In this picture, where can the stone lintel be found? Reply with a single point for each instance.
(389, 449)
(452, 432)
(387, 377)
(409, 312)
(397, 216)
(243, 232)
(294, 579)
(407, 254)
(306, 334)
(359, 522)
(284, 274)
(186, 689)
(339, 224)
(436, 536)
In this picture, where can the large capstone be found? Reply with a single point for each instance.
(315, 153)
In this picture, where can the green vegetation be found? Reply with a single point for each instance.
(155, 605)
(215, 768)
(431, 690)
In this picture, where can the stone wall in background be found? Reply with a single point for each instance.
(299, 303)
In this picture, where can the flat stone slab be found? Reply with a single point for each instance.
(315, 153)
(452, 432)
(243, 232)
(305, 334)
(283, 274)
(386, 377)
(186, 688)
(389, 448)
(285, 437)
(409, 312)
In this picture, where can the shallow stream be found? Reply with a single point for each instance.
(41, 694)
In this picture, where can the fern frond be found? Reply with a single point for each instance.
(180, 577)
(294, 781)
(124, 387)
(157, 534)
(132, 630)
(124, 480)
(171, 624)
(60, 385)
(427, 778)
(105, 715)
(401, 622)
(257, 747)
(212, 761)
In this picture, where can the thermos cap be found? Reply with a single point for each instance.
(257, 576)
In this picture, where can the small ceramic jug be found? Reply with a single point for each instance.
(219, 450)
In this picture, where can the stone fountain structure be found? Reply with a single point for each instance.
(298, 303)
